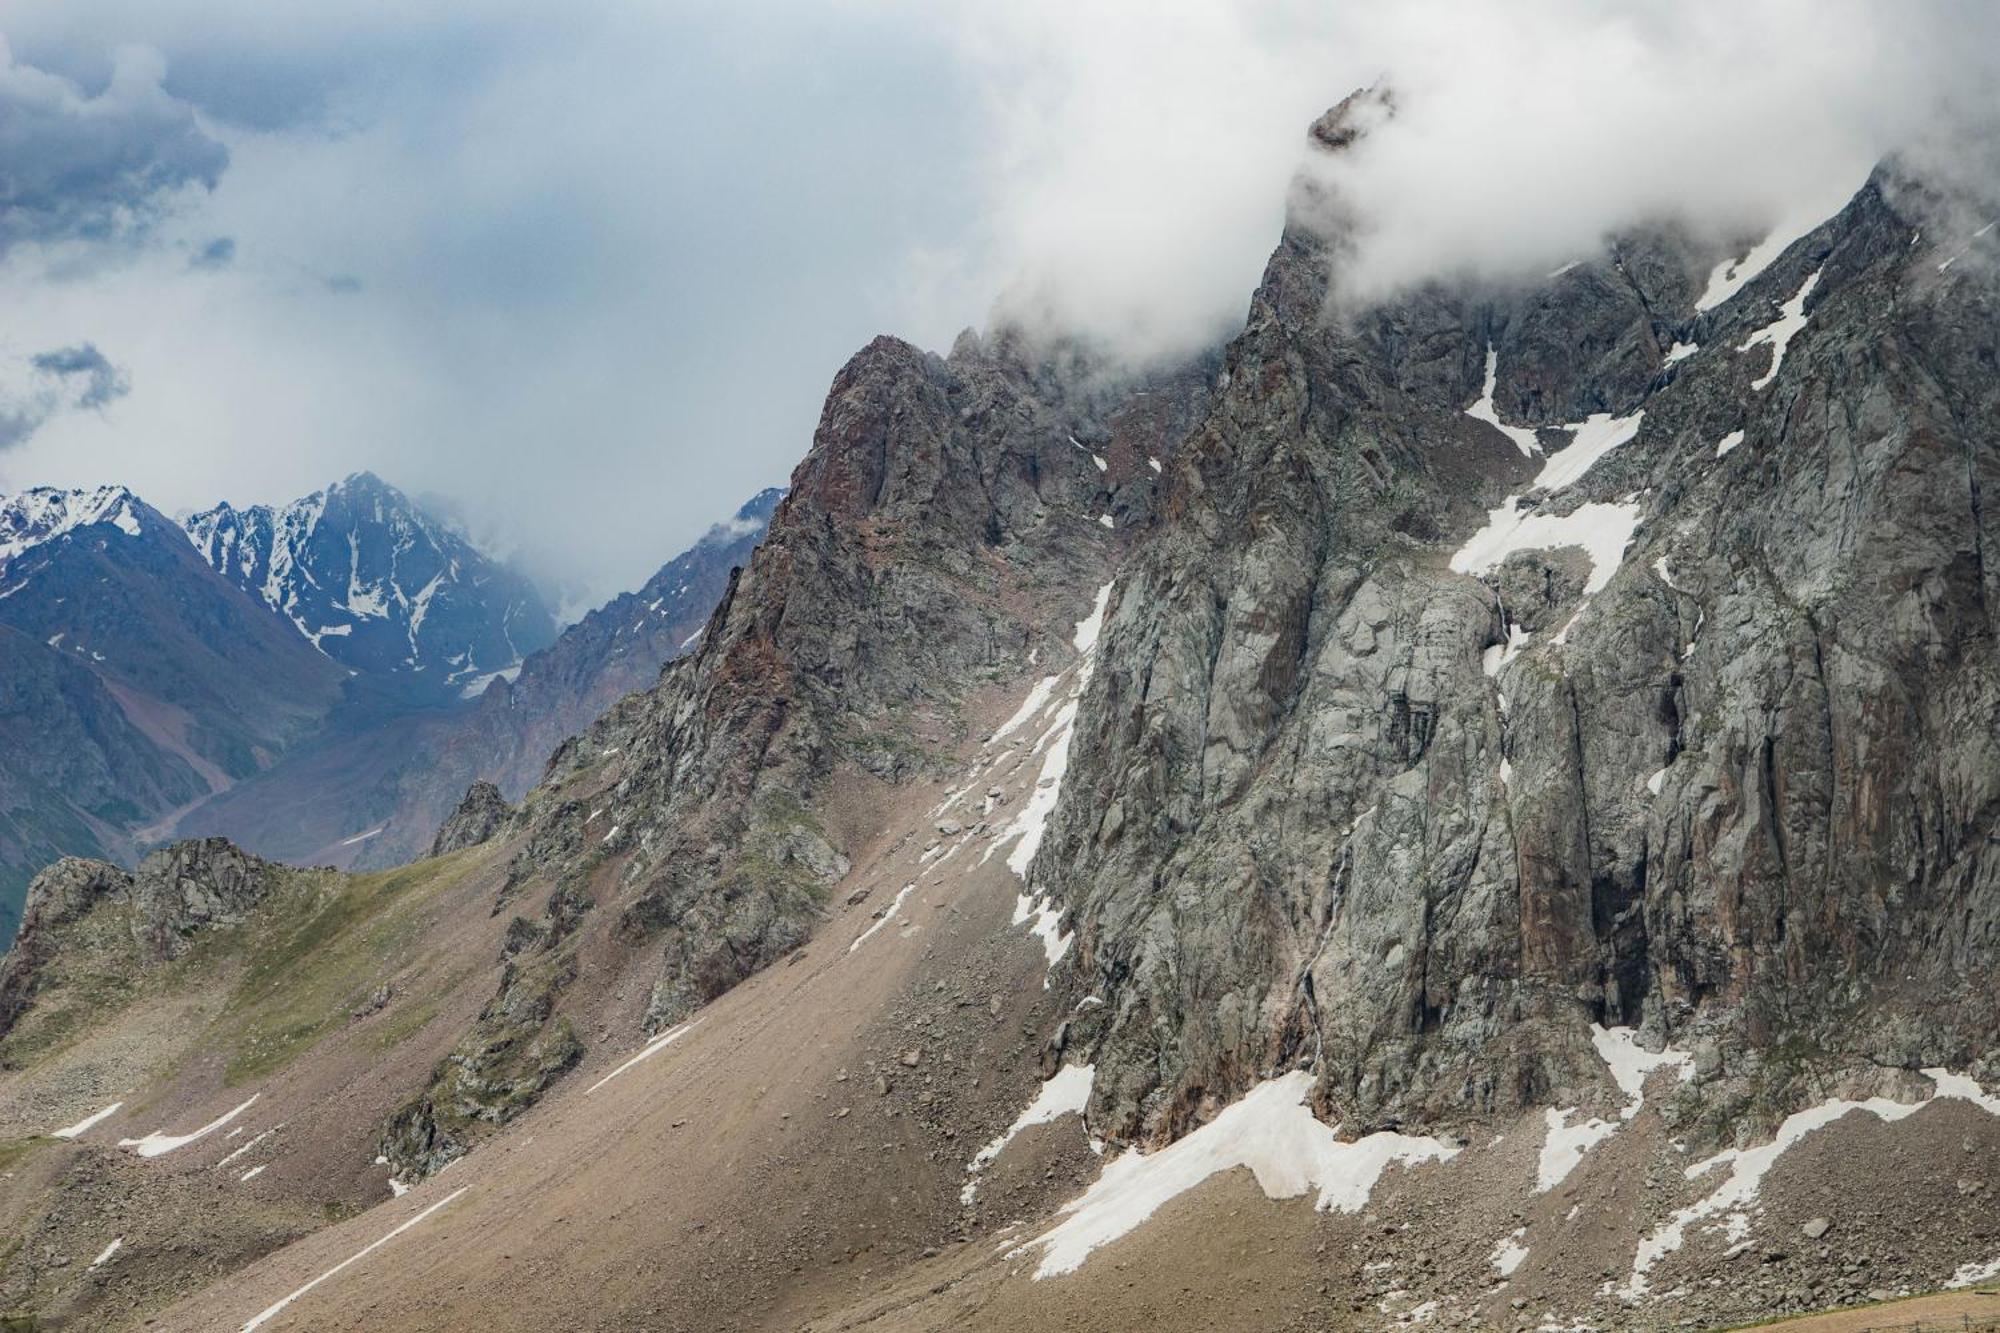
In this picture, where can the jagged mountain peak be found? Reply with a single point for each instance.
(378, 583)
(43, 513)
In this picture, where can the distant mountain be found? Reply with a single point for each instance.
(611, 652)
(373, 788)
(134, 679)
(378, 584)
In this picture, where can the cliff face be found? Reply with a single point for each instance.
(1416, 750)
(950, 520)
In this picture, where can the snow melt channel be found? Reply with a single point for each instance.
(1027, 828)
(884, 919)
(653, 1047)
(1270, 1131)
(273, 1311)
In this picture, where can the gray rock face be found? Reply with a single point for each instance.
(1737, 796)
(482, 813)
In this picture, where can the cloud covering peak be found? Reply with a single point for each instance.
(1139, 154)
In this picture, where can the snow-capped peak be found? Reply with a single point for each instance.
(377, 583)
(44, 513)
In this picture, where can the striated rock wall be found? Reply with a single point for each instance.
(1332, 800)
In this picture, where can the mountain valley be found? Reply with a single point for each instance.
(1469, 809)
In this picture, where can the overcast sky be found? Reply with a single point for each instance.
(587, 267)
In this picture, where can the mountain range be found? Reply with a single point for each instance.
(292, 676)
(1466, 809)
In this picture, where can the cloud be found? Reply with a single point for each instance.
(1136, 157)
(101, 380)
(96, 168)
(218, 253)
(63, 379)
(1525, 135)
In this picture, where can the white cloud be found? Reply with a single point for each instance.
(1138, 154)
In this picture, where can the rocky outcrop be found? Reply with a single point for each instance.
(1344, 794)
(952, 511)
(479, 816)
(174, 895)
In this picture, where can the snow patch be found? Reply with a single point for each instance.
(104, 1256)
(1565, 1144)
(1748, 1167)
(1602, 530)
(1732, 275)
(272, 1312)
(1087, 629)
(1065, 1094)
(252, 1173)
(1046, 926)
(1729, 441)
(1027, 827)
(1971, 1275)
(246, 1147)
(159, 1142)
(1780, 331)
(1030, 706)
(478, 685)
(1105, 520)
(1483, 410)
(884, 919)
(87, 1122)
(362, 837)
(1498, 655)
(1510, 1253)
(1270, 1131)
(1680, 352)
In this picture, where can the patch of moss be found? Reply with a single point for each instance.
(13, 1152)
